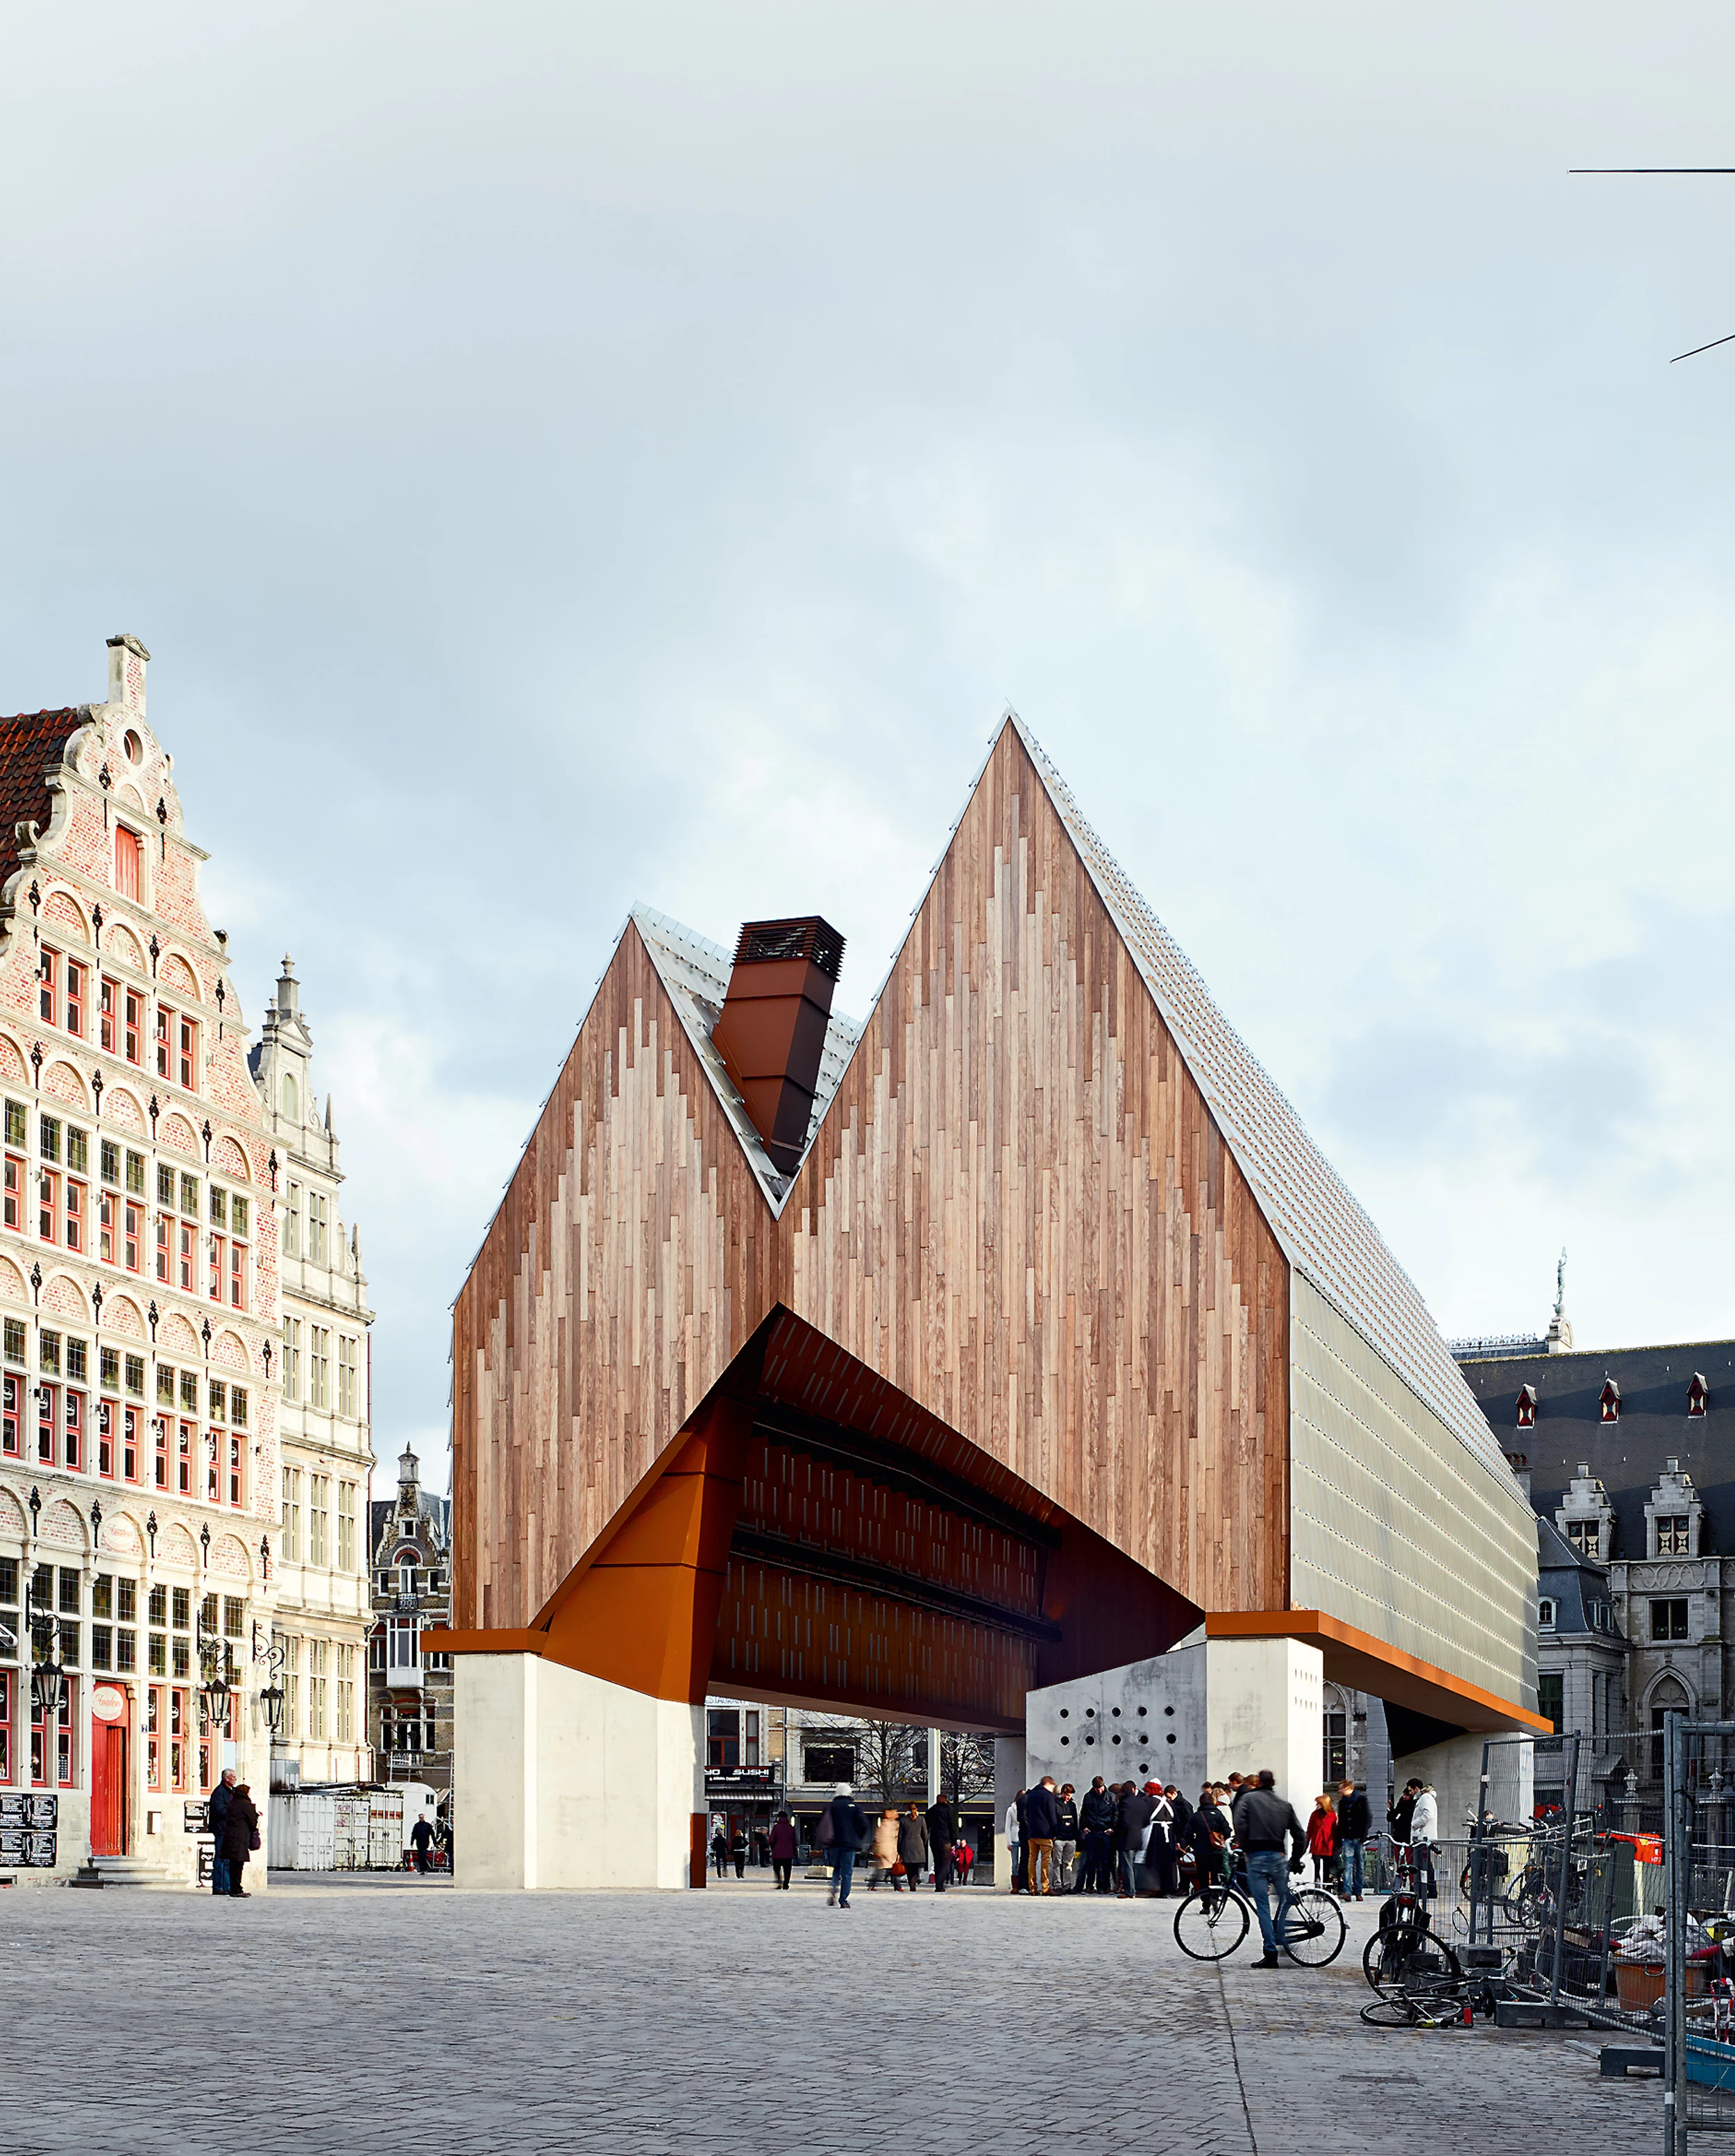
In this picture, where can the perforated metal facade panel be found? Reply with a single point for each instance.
(1398, 1527)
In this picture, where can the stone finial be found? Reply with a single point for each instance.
(289, 988)
(127, 661)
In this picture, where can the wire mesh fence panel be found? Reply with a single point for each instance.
(1697, 2009)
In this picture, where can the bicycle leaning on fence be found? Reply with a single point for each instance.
(1214, 1918)
(1415, 1973)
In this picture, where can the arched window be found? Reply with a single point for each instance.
(291, 1098)
(1670, 1697)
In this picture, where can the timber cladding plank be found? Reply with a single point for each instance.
(1018, 1210)
(1052, 1169)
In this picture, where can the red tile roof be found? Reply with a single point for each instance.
(28, 742)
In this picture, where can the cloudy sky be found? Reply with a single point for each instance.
(560, 456)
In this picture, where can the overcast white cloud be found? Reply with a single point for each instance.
(565, 455)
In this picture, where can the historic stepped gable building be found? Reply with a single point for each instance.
(138, 1303)
(910, 1367)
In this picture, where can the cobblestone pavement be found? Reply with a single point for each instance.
(422, 2022)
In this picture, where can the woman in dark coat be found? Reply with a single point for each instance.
(238, 1828)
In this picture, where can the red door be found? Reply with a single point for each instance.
(108, 1788)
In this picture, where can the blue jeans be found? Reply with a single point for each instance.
(842, 1871)
(1351, 1876)
(1126, 1868)
(219, 1874)
(1267, 1868)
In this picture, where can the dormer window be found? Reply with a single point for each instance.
(1674, 1536)
(1526, 1407)
(1608, 1399)
(1545, 1615)
(1585, 1538)
(1698, 1394)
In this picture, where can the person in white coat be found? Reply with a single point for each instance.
(1014, 1843)
(1424, 1833)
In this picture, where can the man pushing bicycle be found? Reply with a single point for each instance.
(1264, 1821)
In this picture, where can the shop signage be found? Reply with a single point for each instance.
(108, 1704)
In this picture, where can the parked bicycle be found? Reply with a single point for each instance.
(1406, 1961)
(1214, 1920)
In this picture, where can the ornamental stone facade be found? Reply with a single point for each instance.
(140, 1305)
(323, 1419)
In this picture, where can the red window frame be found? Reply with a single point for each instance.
(187, 1061)
(108, 1415)
(164, 1239)
(74, 997)
(218, 1246)
(74, 1223)
(189, 1255)
(134, 1026)
(154, 1720)
(62, 1775)
(183, 1458)
(46, 1404)
(47, 1204)
(238, 1275)
(131, 1242)
(72, 1430)
(105, 1016)
(49, 984)
(5, 1728)
(162, 1041)
(11, 1387)
(159, 1426)
(105, 1226)
(236, 1473)
(178, 1734)
(14, 1209)
(130, 1444)
(213, 1466)
(127, 852)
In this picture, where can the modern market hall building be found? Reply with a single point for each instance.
(913, 1367)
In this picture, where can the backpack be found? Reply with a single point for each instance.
(826, 1833)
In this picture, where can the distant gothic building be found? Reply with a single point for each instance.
(323, 1601)
(139, 1305)
(409, 1691)
(1627, 1456)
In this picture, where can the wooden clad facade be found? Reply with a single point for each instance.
(1018, 1211)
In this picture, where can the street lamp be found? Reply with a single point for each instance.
(46, 1661)
(266, 1648)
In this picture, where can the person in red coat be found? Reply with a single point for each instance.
(784, 1845)
(1322, 1840)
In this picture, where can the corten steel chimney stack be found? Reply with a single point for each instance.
(771, 1032)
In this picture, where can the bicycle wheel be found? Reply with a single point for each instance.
(1209, 1926)
(1407, 1961)
(1389, 2014)
(1313, 1930)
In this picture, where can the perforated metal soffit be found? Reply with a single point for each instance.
(1325, 1233)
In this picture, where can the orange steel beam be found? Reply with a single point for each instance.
(643, 1613)
(1367, 1664)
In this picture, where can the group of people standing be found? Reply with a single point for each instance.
(903, 1843)
(1061, 1844)
(234, 1823)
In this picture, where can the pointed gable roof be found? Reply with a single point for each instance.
(1325, 1232)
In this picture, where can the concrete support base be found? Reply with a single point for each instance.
(1264, 1707)
(1009, 1770)
(563, 1780)
(1213, 1707)
(1454, 1768)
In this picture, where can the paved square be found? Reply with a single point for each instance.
(406, 2017)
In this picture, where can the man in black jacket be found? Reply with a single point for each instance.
(1097, 1817)
(1137, 1812)
(942, 1835)
(1042, 1823)
(1264, 1821)
(1355, 1816)
(216, 1813)
(850, 1833)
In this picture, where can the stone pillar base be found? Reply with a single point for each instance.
(1264, 1707)
(562, 1780)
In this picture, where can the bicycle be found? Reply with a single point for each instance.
(1406, 1962)
(1213, 1919)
